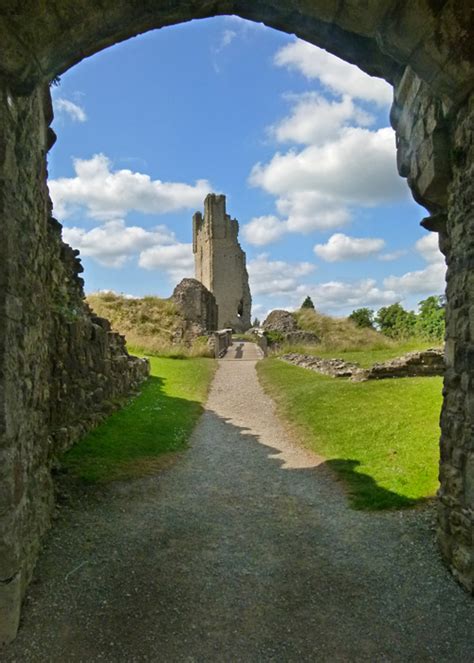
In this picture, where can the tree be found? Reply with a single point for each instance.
(256, 322)
(395, 322)
(308, 303)
(363, 317)
(430, 320)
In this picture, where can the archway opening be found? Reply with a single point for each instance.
(328, 167)
(411, 47)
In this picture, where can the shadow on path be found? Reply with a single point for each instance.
(244, 550)
(239, 351)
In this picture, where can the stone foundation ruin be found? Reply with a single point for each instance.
(423, 48)
(220, 263)
(425, 363)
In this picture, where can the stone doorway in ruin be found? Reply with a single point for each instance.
(424, 49)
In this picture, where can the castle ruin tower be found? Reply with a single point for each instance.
(220, 263)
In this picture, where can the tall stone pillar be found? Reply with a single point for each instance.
(25, 311)
(435, 151)
(456, 494)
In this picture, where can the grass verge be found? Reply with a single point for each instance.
(136, 440)
(380, 436)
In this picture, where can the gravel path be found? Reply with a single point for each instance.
(242, 550)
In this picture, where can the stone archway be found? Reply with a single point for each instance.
(55, 359)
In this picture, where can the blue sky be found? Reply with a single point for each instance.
(297, 140)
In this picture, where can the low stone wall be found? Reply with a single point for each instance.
(93, 375)
(221, 341)
(413, 364)
(336, 368)
(261, 341)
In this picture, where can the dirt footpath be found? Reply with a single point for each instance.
(243, 550)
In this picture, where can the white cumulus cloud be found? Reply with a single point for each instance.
(342, 164)
(358, 168)
(316, 120)
(306, 211)
(176, 259)
(75, 112)
(316, 187)
(342, 247)
(108, 194)
(275, 277)
(431, 279)
(337, 296)
(339, 76)
(263, 230)
(427, 281)
(428, 247)
(113, 243)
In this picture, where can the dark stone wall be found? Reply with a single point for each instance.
(380, 36)
(456, 495)
(61, 369)
(435, 140)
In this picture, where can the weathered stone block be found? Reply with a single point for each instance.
(10, 606)
(280, 321)
(197, 305)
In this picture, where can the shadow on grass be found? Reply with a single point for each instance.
(137, 439)
(363, 491)
(146, 435)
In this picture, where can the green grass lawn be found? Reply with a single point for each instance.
(380, 436)
(137, 439)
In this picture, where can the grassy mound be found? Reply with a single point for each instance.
(150, 325)
(340, 333)
(342, 338)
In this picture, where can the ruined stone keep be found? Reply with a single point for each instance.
(424, 48)
(220, 263)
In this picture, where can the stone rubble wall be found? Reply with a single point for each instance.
(335, 368)
(426, 363)
(62, 369)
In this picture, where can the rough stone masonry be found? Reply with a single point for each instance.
(424, 48)
(220, 263)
